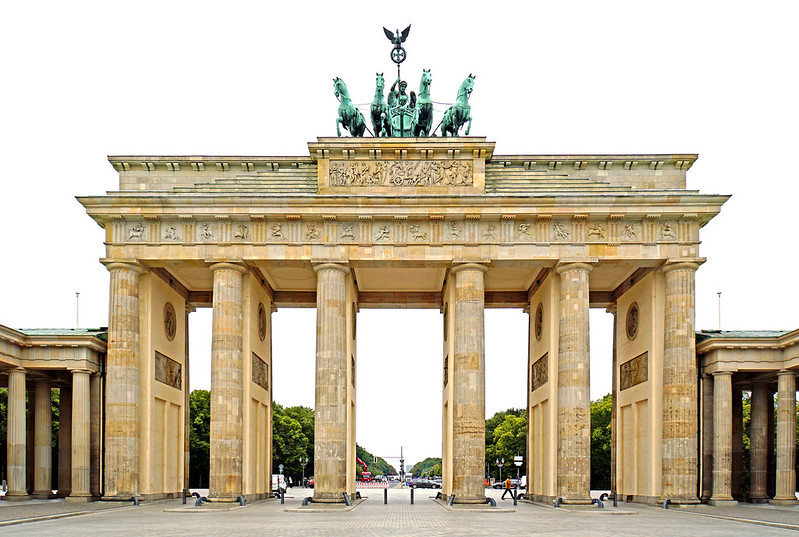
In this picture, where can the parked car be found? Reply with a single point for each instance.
(310, 482)
(279, 483)
(424, 484)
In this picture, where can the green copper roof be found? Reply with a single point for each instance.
(101, 333)
(702, 335)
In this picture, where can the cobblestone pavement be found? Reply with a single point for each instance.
(399, 518)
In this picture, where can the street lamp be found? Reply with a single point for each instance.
(500, 463)
(303, 461)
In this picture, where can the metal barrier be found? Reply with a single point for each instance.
(200, 500)
(135, 500)
(598, 503)
(666, 503)
(451, 499)
(347, 499)
(241, 500)
(558, 502)
(385, 496)
(185, 493)
(491, 501)
(307, 500)
(412, 496)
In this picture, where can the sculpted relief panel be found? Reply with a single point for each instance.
(634, 372)
(403, 173)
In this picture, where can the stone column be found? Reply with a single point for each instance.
(225, 480)
(722, 439)
(65, 442)
(16, 429)
(574, 412)
(186, 405)
(123, 379)
(81, 438)
(762, 404)
(95, 391)
(468, 388)
(614, 395)
(679, 424)
(330, 431)
(43, 442)
(707, 436)
(786, 439)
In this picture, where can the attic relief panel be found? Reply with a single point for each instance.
(403, 173)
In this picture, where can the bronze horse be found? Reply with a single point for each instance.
(379, 109)
(460, 112)
(348, 116)
(424, 107)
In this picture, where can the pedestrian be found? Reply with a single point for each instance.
(507, 489)
(291, 482)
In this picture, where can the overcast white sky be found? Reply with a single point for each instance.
(82, 80)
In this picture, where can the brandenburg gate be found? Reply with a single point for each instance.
(439, 222)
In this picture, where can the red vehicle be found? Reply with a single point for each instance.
(366, 475)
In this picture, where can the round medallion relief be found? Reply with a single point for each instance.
(170, 321)
(539, 321)
(632, 321)
(261, 322)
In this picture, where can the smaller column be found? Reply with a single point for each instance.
(722, 439)
(43, 444)
(707, 437)
(762, 404)
(64, 441)
(227, 372)
(786, 439)
(16, 451)
(737, 443)
(574, 404)
(81, 437)
(95, 391)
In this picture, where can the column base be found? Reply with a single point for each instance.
(722, 503)
(576, 501)
(681, 501)
(44, 495)
(17, 497)
(79, 499)
(472, 500)
(758, 499)
(327, 498)
(786, 501)
(121, 497)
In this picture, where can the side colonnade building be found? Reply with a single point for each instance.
(407, 223)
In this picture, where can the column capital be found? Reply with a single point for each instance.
(131, 265)
(83, 370)
(612, 309)
(785, 372)
(688, 263)
(567, 266)
(225, 265)
(722, 373)
(468, 265)
(341, 266)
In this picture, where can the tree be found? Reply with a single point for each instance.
(506, 438)
(289, 443)
(426, 467)
(600, 442)
(199, 438)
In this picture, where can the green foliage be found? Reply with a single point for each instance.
(601, 410)
(289, 442)
(199, 437)
(506, 437)
(430, 467)
(376, 467)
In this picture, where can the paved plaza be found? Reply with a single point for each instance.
(372, 517)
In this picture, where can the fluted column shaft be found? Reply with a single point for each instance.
(707, 436)
(679, 426)
(225, 479)
(786, 438)
(574, 415)
(65, 441)
(95, 393)
(762, 404)
(42, 442)
(722, 437)
(614, 399)
(123, 382)
(737, 442)
(330, 429)
(81, 437)
(468, 389)
(16, 430)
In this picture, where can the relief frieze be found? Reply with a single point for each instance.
(635, 371)
(168, 371)
(260, 372)
(539, 374)
(406, 173)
